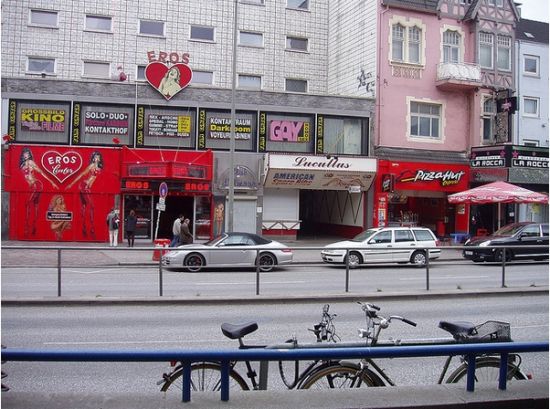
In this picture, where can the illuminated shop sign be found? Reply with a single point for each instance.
(136, 185)
(509, 156)
(168, 72)
(106, 123)
(289, 131)
(445, 178)
(166, 170)
(43, 120)
(220, 128)
(169, 125)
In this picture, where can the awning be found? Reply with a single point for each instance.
(330, 172)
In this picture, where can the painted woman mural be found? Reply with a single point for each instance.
(57, 205)
(88, 177)
(30, 169)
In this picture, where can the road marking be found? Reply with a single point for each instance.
(92, 271)
(249, 282)
(176, 341)
(453, 277)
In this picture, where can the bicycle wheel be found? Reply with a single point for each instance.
(487, 370)
(340, 376)
(205, 376)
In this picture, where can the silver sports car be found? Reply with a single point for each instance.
(229, 250)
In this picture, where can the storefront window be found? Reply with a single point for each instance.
(344, 135)
(287, 133)
(103, 125)
(43, 122)
(142, 206)
(165, 127)
(202, 217)
(215, 130)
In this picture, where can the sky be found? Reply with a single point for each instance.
(534, 9)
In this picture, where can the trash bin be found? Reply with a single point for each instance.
(160, 243)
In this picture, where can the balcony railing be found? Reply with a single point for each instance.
(459, 76)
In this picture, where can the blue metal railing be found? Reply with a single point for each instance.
(225, 357)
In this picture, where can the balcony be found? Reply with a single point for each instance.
(458, 76)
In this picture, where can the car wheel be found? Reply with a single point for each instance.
(354, 259)
(498, 255)
(418, 258)
(194, 262)
(267, 262)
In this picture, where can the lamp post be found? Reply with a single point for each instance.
(231, 197)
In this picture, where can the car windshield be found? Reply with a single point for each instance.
(213, 241)
(509, 230)
(364, 235)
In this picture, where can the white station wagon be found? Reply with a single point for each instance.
(383, 245)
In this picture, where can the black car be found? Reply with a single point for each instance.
(515, 234)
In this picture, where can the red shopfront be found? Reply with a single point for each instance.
(64, 193)
(415, 194)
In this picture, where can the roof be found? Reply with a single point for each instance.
(471, 14)
(419, 5)
(531, 30)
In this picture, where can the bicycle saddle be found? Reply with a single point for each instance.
(458, 329)
(236, 331)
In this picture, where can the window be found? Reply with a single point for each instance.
(202, 33)
(531, 106)
(406, 44)
(529, 142)
(451, 47)
(423, 235)
(486, 50)
(296, 44)
(98, 23)
(531, 65)
(203, 77)
(345, 135)
(250, 81)
(398, 39)
(43, 18)
(504, 55)
(259, 2)
(96, 69)
(140, 75)
(425, 119)
(382, 237)
(414, 45)
(153, 28)
(403, 236)
(292, 85)
(41, 65)
(251, 39)
(489, 111)
(298, 4)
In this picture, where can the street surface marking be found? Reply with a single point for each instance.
(248, 282)
(453, 277)
(176, 341)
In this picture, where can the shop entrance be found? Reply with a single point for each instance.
(175, 205)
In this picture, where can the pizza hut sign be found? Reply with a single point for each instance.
(61, 165)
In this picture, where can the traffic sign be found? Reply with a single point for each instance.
(163, 190)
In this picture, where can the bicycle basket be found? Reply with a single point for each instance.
(492, 331)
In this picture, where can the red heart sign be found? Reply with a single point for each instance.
(168, 80)
(61, 165)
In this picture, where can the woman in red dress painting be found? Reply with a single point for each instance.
(88, 176)
(28, 166)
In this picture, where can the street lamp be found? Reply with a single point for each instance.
(231, 198)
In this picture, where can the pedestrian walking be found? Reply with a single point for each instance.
(112, 223)
(185, 234)
(176, 230)
(131, 223)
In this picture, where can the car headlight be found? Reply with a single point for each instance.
(485, 243)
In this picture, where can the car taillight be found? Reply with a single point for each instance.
(437, 243)
(173, 363)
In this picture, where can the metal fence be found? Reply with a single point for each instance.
(225, 357)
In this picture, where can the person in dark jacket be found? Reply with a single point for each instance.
(131, 222)
(185, 234)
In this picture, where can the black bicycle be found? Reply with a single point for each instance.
(366, 372)
(206, 376)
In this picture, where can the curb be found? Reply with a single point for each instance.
(260, 299)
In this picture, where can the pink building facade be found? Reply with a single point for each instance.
(441, 65)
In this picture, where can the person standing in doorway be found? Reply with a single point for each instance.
(185, 233)
(176, 230)
(112, 224)
(131, 223)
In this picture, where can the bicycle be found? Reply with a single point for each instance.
(206, 376)
(368, 373)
